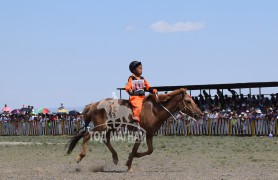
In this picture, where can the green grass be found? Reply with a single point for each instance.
(171, 153)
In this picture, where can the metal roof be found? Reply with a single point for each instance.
(217, 86)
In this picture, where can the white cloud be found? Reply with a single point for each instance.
(165, 27)
(129, 28)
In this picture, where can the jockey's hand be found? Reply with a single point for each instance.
(154, 91)
(130, 91)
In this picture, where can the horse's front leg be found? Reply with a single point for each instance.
(82, 154)
(112, 150)
(149, 140)
(134, 153)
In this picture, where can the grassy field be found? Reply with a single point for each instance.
(174, 157)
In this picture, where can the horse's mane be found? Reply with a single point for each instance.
(164, 97)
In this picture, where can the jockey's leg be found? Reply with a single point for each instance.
(136, 102)
(112, 150)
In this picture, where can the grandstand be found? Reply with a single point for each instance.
(222, 87)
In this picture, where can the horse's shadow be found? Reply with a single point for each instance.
(114, 171)
(104, 169)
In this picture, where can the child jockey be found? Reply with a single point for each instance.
(136, 87)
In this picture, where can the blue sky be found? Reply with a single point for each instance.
(77, 52)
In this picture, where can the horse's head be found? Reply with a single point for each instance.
(188, 106)
(181, 101)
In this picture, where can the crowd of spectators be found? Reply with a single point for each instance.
(23, 120)
(236, 102)
(240, 110)
(219, 110)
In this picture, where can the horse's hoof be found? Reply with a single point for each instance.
(115, 160)
(130, 170)
(78, 159)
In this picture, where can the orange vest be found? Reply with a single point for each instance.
(138, 85)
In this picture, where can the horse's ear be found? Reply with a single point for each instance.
(183, 91)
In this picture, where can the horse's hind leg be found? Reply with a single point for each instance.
(82, 154)
(112, 150)
(132, 154)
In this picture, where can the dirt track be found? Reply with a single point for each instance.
(173, 158)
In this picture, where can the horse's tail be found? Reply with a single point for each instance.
(74, 140)
(87, 116)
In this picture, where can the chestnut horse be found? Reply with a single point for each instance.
(156, 109)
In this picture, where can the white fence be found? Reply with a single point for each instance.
(30, 128)
(180, 127)
(220, 127)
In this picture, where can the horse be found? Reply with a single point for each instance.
(155, 110)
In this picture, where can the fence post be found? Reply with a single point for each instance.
(230, 127)
(209, 130)
(46, 127)
(0, 128)
(188, 129)
(35, 127)
(252, 127)
(168, 128)
(63, 126)
(19, 128)
(31, 128)
(276, 129)
(78, 124)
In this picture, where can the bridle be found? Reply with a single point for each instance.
(193, 112)
(184, 108)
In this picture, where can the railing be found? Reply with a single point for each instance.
(35, 128)
(180, 127)
(220, 127)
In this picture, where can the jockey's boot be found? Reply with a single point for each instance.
(137, 125)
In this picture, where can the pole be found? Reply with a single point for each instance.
(230, 127)
(209, 130)
(252, 127)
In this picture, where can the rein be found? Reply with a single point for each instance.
(166, 108)
(179, 111)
